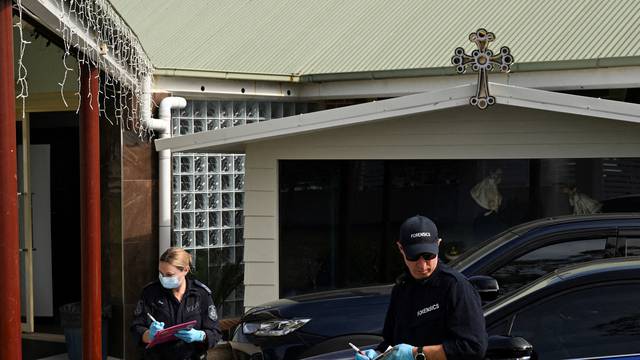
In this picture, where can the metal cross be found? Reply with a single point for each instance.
(482, 60)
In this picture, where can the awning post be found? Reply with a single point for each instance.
(90, 215)
(11, 348)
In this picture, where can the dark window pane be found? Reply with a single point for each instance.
(543, 260)
(633, 246)
(310, 226)
(339, 218)
(598, 321)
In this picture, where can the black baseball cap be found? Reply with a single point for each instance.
(419, 235)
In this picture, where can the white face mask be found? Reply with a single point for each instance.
(169, 282)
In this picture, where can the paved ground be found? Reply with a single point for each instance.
(45, 350)
(50, 350)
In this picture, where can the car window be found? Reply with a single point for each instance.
(633, 246)
(597, 321)
(477, 252)
(543, 260)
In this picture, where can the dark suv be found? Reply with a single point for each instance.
(303, 326)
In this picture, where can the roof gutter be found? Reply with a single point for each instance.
(401, 73)
(449, 70)
(226, 75)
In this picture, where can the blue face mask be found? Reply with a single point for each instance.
(169, 282)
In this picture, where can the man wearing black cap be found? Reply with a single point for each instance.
(434, 313)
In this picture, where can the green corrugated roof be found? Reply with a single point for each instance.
(316, 38)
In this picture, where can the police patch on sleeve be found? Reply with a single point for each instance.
(139, 308)
(213, 315)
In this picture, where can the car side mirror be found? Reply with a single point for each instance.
(486, 286)
(507, 347)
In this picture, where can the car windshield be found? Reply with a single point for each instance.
(470, 256)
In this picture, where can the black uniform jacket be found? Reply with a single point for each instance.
(442, 309)
(196, 305)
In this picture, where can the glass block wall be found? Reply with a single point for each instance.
(201, 115)
(208, 218)
(208, 197)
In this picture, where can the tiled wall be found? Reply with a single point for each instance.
(139, 226)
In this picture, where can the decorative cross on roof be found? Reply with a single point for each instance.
(482, 60)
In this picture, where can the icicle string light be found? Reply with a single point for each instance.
(22, 70)
(117, 54)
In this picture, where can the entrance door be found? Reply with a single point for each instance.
(36, 286)
(25, 228)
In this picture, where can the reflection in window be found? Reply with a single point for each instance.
(339, 219)
(633, 246)
(543, 260)
(598, 321)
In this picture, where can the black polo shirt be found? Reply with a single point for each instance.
(442, 309)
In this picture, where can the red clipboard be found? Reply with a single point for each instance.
(168, 334)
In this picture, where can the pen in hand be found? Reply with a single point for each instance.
(153, 328)
(355, 348)
(151, 317)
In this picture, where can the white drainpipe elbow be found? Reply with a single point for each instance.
(162, 125)
(168, 103)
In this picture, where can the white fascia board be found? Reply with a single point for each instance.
(556, 80)
(565, 103)
(48, 13)
(209, 88)
(576, 79)
(233, 139)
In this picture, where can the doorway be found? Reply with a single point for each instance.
(48, 178)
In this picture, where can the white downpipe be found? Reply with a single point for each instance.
(162, 126)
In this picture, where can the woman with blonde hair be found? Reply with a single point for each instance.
(173, 299)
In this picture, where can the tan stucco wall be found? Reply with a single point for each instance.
(462, 133)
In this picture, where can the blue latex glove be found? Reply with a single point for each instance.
(154, 328)
(368, 355)
(191, 335)
(401, 352)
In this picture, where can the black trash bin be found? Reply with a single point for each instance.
(71, 321)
